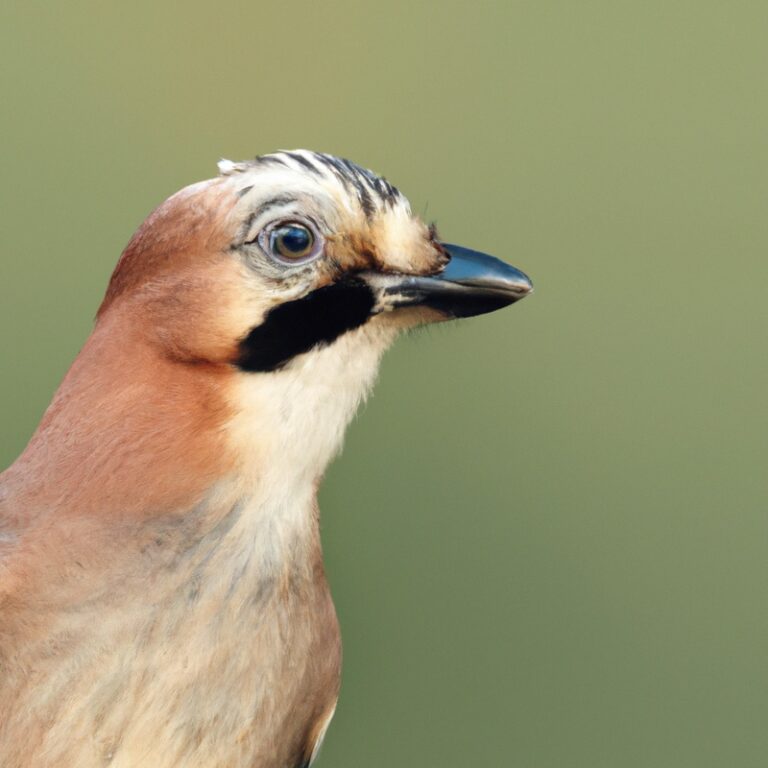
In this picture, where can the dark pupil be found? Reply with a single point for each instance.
(293, 240)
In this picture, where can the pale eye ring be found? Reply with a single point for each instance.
(291, 241)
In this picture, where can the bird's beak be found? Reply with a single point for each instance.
(472, 283)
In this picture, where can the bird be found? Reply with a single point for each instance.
(163, 599)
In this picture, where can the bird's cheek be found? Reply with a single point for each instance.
(204, 341)
(202, 319)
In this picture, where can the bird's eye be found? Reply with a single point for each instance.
(291, 241)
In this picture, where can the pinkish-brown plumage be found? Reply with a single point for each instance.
(162, 594)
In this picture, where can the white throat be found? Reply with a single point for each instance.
(290, 424)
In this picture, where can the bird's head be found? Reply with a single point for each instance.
(290, 275)
(283, 255)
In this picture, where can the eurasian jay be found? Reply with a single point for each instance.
(162, 596)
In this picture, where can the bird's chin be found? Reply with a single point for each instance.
(405, 318)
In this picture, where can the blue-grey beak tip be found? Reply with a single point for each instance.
(468, 267)
(480, 283)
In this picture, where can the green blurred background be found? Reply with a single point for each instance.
(547, 536)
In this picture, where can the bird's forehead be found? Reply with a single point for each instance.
(337, 187)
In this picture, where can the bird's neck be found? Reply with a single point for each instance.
(132, 433)
(188, 465)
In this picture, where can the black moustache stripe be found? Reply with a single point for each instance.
(297, 326)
